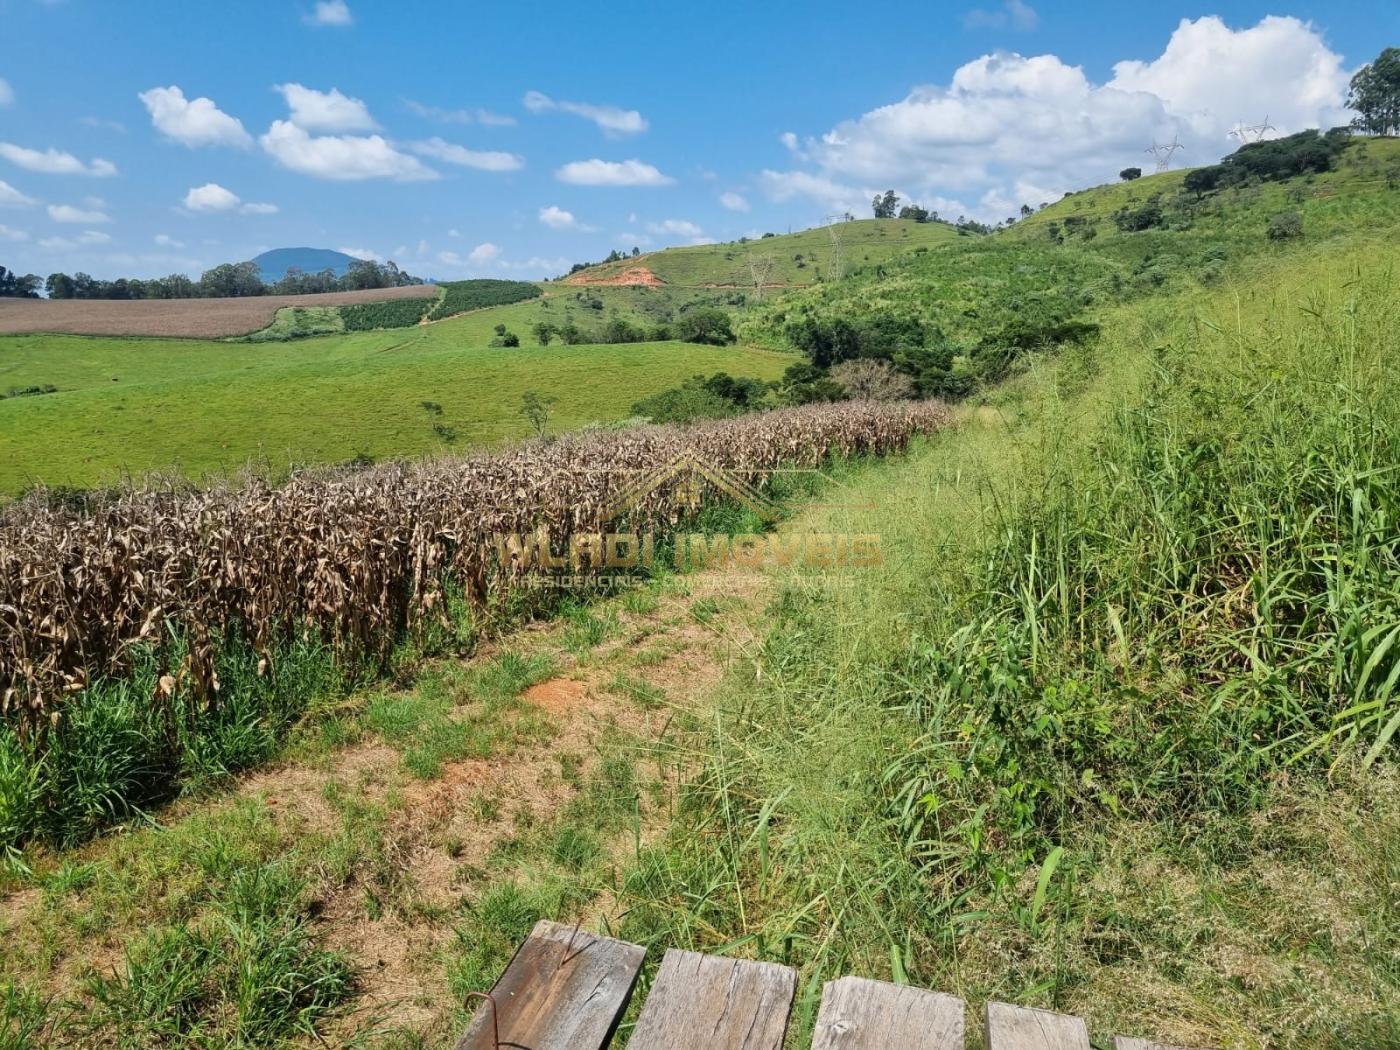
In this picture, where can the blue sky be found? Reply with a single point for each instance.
(141, 138)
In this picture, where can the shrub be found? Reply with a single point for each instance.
(1285, 226)
(708, 325)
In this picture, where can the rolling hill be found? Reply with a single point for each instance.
(274, 264)
(799, 258)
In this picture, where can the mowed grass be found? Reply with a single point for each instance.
(130, 406)
(798, 258)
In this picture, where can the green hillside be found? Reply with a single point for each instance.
(200, 408)
(797, 258)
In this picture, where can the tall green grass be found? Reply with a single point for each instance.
(1147, 598)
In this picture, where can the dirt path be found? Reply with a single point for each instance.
(398, 861)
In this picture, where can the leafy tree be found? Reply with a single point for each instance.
(885, 204)
(536, 408)
(1375, 94)
(59, 286)
(918, 214)
(705, 325)
(1129, 174)
(1026, 211)
(13, 286)
(543, 331)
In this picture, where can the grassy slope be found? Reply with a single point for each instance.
(865, 241)
(210, 407)
(1104, 625)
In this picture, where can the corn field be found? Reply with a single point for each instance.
(359, 557)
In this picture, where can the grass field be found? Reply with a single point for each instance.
(798, 258)
(204, 408)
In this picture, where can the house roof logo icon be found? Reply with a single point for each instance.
(690, 476)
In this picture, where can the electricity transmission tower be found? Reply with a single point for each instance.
(837, 268)
(1162, 154)
(1252, 132)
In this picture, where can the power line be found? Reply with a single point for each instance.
(1252, 132)
(1163, 153)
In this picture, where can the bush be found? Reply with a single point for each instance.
(1285, 226)
(708, 325)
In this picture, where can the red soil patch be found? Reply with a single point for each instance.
(556, 695)
(633, 275)
(187, 318)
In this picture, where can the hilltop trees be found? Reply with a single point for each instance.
(885, 204)
(229, 280)
(13, 286)
(1129, 174)
(1375, 94)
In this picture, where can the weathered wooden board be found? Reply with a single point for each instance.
(860, 1014)
(564, 990)
(710, 1003)
(1020, 1028)
(1123, 1042)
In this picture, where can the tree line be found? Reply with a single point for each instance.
(225, 281)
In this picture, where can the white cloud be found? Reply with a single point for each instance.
(86, 239)
(192, 122)
(484, 117)
(1008, 129)
(613, 120)
(313, 110)
(450, 259)
(330, 13)
(611, 173)
(341, 157)
(55, 162)
(68, 213)
(12, 198)
(365, 254)
(556, 218)
(259, 208)
(101, 122)
(211, 197)
(167, 241)
(734, 201)
(483, 254)
(7, 93)
(788, 139)
(9, 233)
(1012, 14)
(482, 160)
(676, 227)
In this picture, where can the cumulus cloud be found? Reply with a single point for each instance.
(363, 254)
(611, 173)
(70, 214)
(613, 120)
(211, 197)
(12, 198)
(556, 218)
(55, 162)
(167, 241)
(313, 110)
(331, 13)
(341, 157)
(9, 233)
(734, 201)
(482, 160)
(86, 239)
(192, 122)
(7, 93)
(483, 254)
(1009, 129)
(676, 227)
(1012, 14)
(485, 117)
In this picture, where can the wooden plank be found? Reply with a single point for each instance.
(1123, 1042)
(565, 988)
(709, 1003)
(860, 1014)
(1020, 1028)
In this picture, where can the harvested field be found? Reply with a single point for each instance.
(632, 276)
(197, 318)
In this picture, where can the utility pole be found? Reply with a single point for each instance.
(1247, 133)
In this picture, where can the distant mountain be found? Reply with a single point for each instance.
(274, 264)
